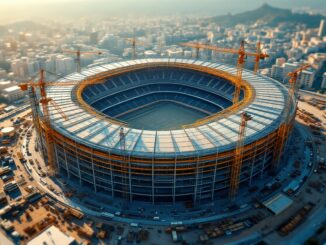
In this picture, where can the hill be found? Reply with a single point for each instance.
(268, 15)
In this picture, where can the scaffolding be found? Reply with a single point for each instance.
(288, 116)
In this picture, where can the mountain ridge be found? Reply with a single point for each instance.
(268, 14)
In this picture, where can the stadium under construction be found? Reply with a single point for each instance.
(164, 130)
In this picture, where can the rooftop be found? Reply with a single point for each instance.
(11, 89)
(278, 203)
(53, 236)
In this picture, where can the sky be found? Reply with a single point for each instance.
(29, 9)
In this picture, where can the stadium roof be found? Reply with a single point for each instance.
(217, 136)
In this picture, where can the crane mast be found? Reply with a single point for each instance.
(240, 66)
(133, 42)
(257, 57)
(238, 159)
(285, 128)
(44, 100)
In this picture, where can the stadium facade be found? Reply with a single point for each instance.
(164, 165)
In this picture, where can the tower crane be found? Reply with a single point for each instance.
(285, 127)
(78, 53)
(238, 158)
(133, 42)
(44, 100)
(242, 54)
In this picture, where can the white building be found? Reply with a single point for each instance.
(323, 83)
(280, 61)
(25, 67)
(150, 54)
(277, 72)
(19, 67)
(4, 84)
(52, 235)
(64, 65)
(306, 79)
(32, 67)
(12, 93)
(175, 52)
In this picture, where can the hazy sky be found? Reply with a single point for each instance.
(13, 9)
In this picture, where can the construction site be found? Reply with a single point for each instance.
(201, 150)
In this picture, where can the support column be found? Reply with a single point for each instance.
(214, 177)
(174, 177)
(153, 171)
(93, 170)
(66, 162)
(265, 154)
(78, 165)
(153, 179)
(111, 173)
(56, 157)
(196, 181)
(130, 193)
(253, 164)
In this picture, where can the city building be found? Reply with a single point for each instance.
(4, 84)
(52, 235)
(64, 65)
(323, 84)
(277, 72)
(174, 52)
(306, 79)
(12, 94)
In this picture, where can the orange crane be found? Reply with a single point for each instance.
(285, 127)
(242, 54)
(45, 101)
(133, 42)
(78, 53)
(237, 164)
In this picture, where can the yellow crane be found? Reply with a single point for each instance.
(44, 100)
(78, 53)
(285, 127)
(242, 54)
(237, 164)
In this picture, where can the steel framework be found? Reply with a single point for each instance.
(286, 126)
(156, 178)
(44, 100)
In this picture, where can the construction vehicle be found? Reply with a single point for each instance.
(78, 53)
(242, 54)
(285, 127)
(44, 100)
(236, 166)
